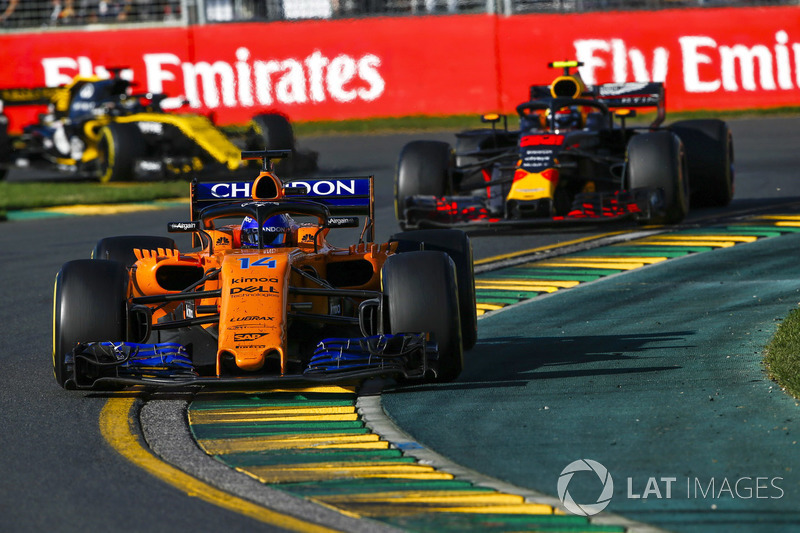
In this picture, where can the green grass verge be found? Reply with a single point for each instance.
(782, 355)
(32, 195)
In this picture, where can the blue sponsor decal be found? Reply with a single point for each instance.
(342, 192)
(228, 190)
(338, 192)
(244, 262)
(323, 188)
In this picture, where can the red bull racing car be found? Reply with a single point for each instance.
(575, 161)
(265, 298)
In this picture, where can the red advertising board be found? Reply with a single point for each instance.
(50, 59)
(353, 68)
(728, 58)
(308, 70)
(734, 58)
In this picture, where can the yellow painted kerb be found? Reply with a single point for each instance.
(115, 425)
(545, 248)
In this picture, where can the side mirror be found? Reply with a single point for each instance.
(493, 119)
(623, 115)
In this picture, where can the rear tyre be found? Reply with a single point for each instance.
(423, 168)
(275, 131)
(89, 305)
(5, 146)
(119, 147)
(656, 160)
(120, 249)
(470, 142)
(709, 152)
(457, 245)
(471, 169)
(421, 296)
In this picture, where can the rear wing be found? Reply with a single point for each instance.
(343, 196)
(645, 94)
(634, 94)
(27, 96)
(346, 196)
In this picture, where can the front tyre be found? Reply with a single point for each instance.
(421, 296)
(457, 245)
(89, 305)
(423, 168)
(657, 161)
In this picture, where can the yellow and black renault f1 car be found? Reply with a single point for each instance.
(266, 298)
(96, 128)
(575, 161)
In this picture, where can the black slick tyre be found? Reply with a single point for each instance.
(421, 296)
(423, 168)
(119, 147)
(470, 170)
(468, 142)
(121, 248)
(709, 153)
(275, 131)
(89, 305)
(457, 245)
(656, 161)
(5, 146)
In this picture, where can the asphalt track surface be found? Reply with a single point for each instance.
(655, 374)
(571, 352)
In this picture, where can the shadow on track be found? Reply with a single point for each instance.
(517, 361)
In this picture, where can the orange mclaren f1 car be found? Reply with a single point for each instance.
(265, 297)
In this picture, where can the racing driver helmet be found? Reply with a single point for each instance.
(273, 232)
(567, 118)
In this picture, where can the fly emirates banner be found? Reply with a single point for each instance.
(716, 58)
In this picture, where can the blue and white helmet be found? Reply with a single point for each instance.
(273, 232)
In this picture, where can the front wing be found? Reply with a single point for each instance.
(473, 213)
(97, 364)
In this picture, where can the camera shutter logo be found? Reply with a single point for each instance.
(585, 509)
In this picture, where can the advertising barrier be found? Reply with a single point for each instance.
(733, 58)
(726, 58)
